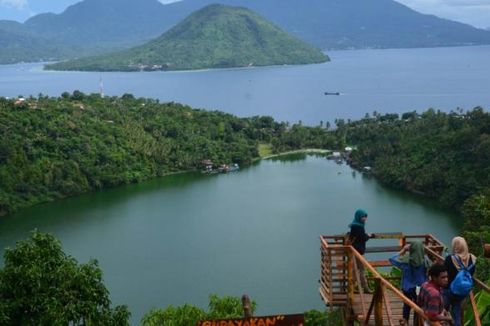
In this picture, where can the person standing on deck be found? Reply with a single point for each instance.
(460, 258)
(413, 263)
(358, 238)
(430, 296)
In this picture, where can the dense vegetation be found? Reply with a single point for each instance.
(57, 147)
(444, 156)
(224, 308)
(41, 285)
(216, 36)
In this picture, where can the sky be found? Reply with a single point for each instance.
(473, 12)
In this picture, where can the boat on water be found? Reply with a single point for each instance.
(332, 93)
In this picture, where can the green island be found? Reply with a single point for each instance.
(216, 36)
(53, 148)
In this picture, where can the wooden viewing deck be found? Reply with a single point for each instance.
(340, 280)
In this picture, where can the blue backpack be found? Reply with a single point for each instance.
(463, 282)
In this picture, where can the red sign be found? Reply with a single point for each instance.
(279, 320)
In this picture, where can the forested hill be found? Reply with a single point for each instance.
(18, 43)
(57, 147)
(440, 155)
(216, 36)
(347, 24)
(327, 24)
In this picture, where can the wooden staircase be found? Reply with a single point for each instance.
(340, 279)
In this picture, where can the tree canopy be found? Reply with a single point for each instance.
(58, 147)
(41, 285)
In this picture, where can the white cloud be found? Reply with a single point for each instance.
(468, 3)
(168, 1)
(17, 4)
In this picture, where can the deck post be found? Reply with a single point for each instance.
(486, 250)
(350, 276)
(378, 303)
(247, 306)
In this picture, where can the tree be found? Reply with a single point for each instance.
(77, 95)
(41, 285)
(219, 308)
(175, 316)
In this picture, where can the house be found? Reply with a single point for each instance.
(207, 165)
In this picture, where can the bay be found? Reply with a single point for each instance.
(177, 239)
(386, 81)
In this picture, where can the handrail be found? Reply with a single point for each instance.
(476, 313)
(387, 284)
(482, 285)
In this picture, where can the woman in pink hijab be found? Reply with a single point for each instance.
(460, 258)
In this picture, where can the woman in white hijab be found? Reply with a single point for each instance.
(460, 258)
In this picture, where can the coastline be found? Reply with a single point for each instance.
(298, 151)
(254, 160)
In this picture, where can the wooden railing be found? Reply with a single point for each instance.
(340, 284)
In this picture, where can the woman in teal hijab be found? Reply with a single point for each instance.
(358, 238)
(413, 263)
(358, 234)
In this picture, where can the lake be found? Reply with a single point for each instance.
(177, 239)
(386, 81)
(180, 238)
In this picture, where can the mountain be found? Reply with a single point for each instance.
(341, 24)
(99, 26)
(103, 21)
(215, 36)
(86, 28)
(19, 44)
(328, 24)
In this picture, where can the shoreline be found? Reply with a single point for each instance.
(297, 151)
(257, 159)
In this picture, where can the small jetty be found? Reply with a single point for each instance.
(208, 167)
(225, 168)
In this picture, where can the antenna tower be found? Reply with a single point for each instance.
(101, 88)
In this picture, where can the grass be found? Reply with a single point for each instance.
(265, 150)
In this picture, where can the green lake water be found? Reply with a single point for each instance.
(177, 239)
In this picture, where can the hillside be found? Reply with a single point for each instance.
(216, 36)
(345, 24)
(327, 24)
(19, 44)
(91, 22)
(61, 147)
(99, 26)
